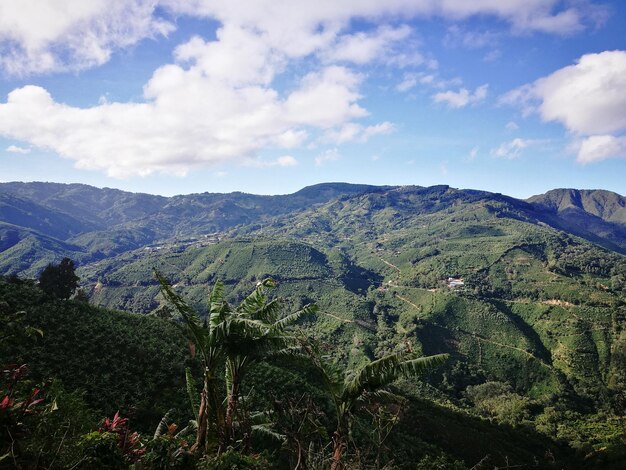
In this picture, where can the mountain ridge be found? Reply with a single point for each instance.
(104, 222)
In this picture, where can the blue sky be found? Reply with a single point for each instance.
(173, 96)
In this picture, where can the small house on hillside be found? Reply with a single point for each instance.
(455, 282)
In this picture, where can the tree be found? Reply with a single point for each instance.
(59, 280)
(237, 337)
(355, 388)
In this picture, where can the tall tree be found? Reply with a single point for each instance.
(59, 280)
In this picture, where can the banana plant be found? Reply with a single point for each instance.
(257, 330)
(237, 336)
(207, 338)
(354, 388)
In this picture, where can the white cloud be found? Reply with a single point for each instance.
(188, 119)
(461, 98)
(76, 34)
(38, 36)
(353, 132)
(363, 47)
(218, 101)
(457, 36)
(283, 161)
(286, 160)
(236, 57)
(412, 79)
(492, 55)
(588, 98)
(16, 149)
(513, 149)
(511, 126)
(601, 147)
(326, 98)
(289, 19)
(329, 155)
(408, 82)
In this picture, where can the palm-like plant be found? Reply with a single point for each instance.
(355, 388)
(207, 339)
(237, 336)
(256, 330)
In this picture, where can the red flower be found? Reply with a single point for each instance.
(6, 403)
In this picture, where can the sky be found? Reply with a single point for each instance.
(268, 96)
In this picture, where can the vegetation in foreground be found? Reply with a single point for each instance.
(98, 388)
(45, 426)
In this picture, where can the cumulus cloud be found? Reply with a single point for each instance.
(600, 147)
(215, 103)
(363, 47)
(75, 34)
(218, 99)
(461, 98)
(188, 119)
(587, 98)
(288, 19)
(16, 149)
(513, 149)
(38, 37)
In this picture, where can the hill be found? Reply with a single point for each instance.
(597, 215)
(526, 296)
(101, 223)
(94, 362)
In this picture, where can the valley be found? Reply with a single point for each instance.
(522, 304)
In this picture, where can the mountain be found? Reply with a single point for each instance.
(526, 296)
(100, 223)
(608, 206)
(599, 216)
(105, 362)
(540, 309)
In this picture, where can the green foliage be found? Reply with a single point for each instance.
(120, 361)
(59, 281)
(100, 450)
(440, 462)
(496, 400)
(238, 336)
(536, 335)
(167, 452)
(233, 460)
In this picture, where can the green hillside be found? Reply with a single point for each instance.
(93, 362)
(597, 215)
(532, 313)
(540, 310)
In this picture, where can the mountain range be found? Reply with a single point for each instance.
(525, 294)
(40, 222)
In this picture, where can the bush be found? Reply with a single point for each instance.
(169, 453)
(100, 450)
(232, 460)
